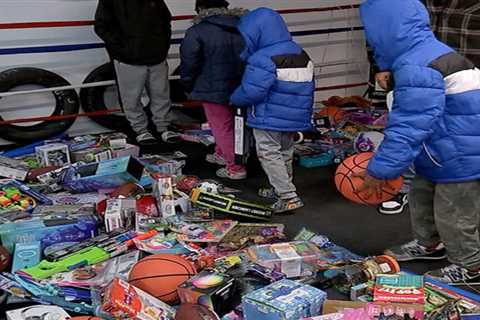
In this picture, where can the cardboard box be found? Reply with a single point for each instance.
(108, 174)
(125, 150)
(213, 290)
(283, 300)
(13, 169)
(38, 312)
(374, 309)
(400, 288)
(54, 154)
(120, 213)
(124, 301)
(163, 192)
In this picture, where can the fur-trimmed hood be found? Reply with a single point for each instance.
(221, 16)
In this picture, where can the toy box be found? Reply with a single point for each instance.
(415, 311)
(294, 259)
(14, 195)
(50, 230)
(283, 300)
(401, 288)
(214, 290)
(54, 154)
(108, 174)
(163, 192)
(123, 301)
(26, 255)
(120, 213)
(124, 150)
(92, 155)
(13, 169)
(38, 312)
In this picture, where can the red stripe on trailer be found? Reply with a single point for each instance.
(342, 86)
(82, 23)
(61, 117)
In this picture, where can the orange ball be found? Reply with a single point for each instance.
(347, 184)
(161, 274)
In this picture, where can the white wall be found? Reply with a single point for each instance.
(340, 57)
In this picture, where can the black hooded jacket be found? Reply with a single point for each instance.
(135, 32)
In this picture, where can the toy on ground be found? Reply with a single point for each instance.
(368, 141)
(161, 274)
(5, 259)
(347, 184)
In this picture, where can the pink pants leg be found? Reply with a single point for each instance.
(221, 120)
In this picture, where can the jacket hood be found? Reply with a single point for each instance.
(394, 27)
(262, 28)
(223, 17)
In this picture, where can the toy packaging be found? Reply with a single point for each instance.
(163, 192)
(401, 288)
(108, 174)
(94, 154)
(283, 300)
(213, 290)
(38, 312)
(26, 255)
(212, 231)
(120, 213)
(253, 233)
(98, 275)
(49, 230)
(14, 195)
(230, 205)
(55, 154)
(373, 310)
(437, 295)
(294, 259)
(124, 150)
(124, 301)
(13, 169)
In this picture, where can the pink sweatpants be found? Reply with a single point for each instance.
(221, 119)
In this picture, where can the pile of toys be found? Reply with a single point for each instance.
(91, 229)
(343, 127)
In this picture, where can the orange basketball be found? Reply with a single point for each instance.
(347, 184)
(161, 274)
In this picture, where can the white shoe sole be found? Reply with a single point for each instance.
(393, 212)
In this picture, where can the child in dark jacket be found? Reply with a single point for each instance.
(211, 69)
(278, 88)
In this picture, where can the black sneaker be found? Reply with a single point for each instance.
(282, 206)
(415, 251)
(394, 206)
(455, 275)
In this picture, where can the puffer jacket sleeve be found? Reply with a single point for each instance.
(418, 106)
(191, 59)
(260, 75)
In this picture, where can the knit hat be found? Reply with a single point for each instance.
(207, 4)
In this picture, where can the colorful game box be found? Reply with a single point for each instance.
(213, 290)
(14, 195)
(400, 288)
(108, 174)
(163, 192)
(373, 310)
(294, 259)
(283, 300)
(59, 228)
(124, 301)
(212, 231)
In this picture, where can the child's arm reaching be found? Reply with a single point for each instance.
(191, 59)
(260, 74)
(419, 102)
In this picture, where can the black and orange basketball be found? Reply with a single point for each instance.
(190, 311)
(347, 184)
(161, 274)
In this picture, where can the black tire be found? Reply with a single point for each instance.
(93, 99)
(67, 103)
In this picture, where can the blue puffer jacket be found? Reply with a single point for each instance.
(211, 68)
(435, 120)
(278, 84)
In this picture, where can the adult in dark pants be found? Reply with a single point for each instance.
(137, 36)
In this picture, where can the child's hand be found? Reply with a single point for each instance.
(371, 185)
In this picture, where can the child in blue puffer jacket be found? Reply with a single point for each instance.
(278, 88)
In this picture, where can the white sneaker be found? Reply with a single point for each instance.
(215, 159)
(146, 139)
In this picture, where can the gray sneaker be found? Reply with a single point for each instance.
(215, 159)
(225, 174)
(455, 275)
(415, 251)
(268, 193)
(287, 205)
(146, 139)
